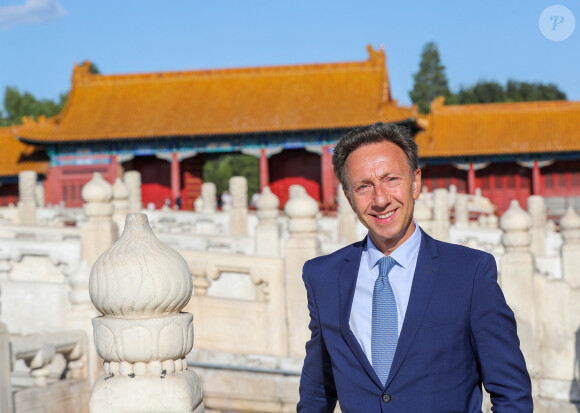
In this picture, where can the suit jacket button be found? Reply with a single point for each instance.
(386, 397)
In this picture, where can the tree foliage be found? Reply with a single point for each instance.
(221, 169)
(491, 92)
(18, 105)
(430, 81)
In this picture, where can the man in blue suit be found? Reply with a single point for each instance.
(401, 322)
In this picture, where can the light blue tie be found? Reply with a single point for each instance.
(385, 332)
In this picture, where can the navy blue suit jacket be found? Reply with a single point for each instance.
(458, 333)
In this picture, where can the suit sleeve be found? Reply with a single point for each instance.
(496, 344)
(317, 389)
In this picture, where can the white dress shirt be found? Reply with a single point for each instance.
(400, 277)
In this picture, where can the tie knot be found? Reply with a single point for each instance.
(386, 264)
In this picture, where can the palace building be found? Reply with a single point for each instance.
(166, 125)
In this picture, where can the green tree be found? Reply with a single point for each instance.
(491, 92)
(430, 81)
(220, 170)
(17, 105)
(528, 92)
(482, 92)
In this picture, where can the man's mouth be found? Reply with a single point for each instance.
(385, 216)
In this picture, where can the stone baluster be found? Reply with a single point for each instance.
(461, 210)
(537, 211)
(201, 281)
(133, 181)
(208, 196)
(570, 224)
(81, 313)
(517, 277)
(5, 366)
(302, 245)
(39, 196)
(422, 214)
(452, 194)
(140, 285)
(346, 219)
(492, 221)
(121, 203)
(441, 214)
(99, 231)
(239, 211)
(27, 197)
(268, 232)
(198, 204)
(559, 329)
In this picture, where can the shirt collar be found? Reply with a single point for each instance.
(403, 254)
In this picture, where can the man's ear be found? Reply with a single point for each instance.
(416, 185)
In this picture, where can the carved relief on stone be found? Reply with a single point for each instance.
(140, 285)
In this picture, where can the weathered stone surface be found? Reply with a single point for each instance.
(267, 232)
(140, 285)
(27, 195)
(99, 232)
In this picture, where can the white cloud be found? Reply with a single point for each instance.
(31, 12)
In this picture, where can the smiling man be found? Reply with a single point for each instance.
(401, 322)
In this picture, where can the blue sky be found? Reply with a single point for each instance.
(40, 40)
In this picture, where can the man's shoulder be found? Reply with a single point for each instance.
(447, 250)
(337, 257)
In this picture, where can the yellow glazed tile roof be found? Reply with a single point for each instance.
(225, 101)
(500, 128)
(16, 156)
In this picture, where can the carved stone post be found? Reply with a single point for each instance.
(559, 332)
(440, 229)
(208, 196)
(423, 215)
(5, 368)
(39, 195)
(537, 211)
(133, 181)
(570, 224)
(461, 210)
(268, 233)
(517, 277)
(27, 201)
(140, 285)
(239, 211)
(302, 245)
(99, 232)
(346, 218)
(81, 313)
(120, 203)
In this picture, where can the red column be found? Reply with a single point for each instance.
(264, 174)
(175, 179)
(536, 186)
(471, 180)
(327, 176)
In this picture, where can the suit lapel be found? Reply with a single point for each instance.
(347, 284)
(421, 289)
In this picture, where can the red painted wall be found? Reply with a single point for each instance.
(295, 166)
(65, 183)
(9, 194)
(155, 179)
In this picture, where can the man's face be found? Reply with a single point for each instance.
(382, 191)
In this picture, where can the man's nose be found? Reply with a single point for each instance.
(382, 196)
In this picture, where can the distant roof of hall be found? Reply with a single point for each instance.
(16, 156)
(222, 102)
(500, 128)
